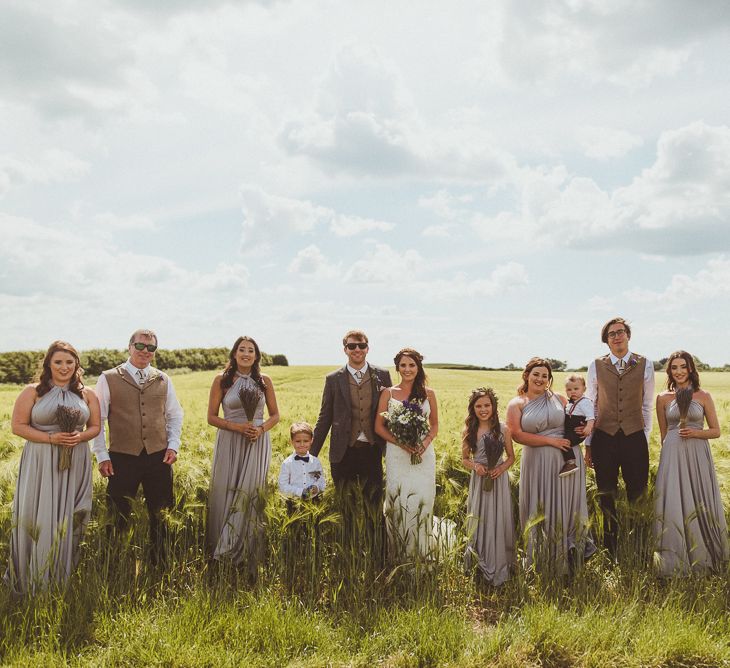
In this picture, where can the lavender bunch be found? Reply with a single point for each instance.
(683, 397)
(250, 395)
(406, 421)
(68, 419)
(488, 455)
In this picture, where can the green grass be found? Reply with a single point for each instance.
(327, 602)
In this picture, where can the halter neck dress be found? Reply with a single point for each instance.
(51, 508)
(490, 524)
(238, 482)
(690, 530)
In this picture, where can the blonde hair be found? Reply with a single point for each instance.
(576, 378)
(300, 428)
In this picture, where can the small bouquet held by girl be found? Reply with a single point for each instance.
(406, 421)
(484, 438)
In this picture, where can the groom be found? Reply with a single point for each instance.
(349, 404)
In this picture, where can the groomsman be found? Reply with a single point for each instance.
(145, 421)
(621, 385)
(349, 402)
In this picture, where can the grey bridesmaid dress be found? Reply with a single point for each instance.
(690, 528)
(553, 510)
(51, 508)
(237, 484)
(490, 525)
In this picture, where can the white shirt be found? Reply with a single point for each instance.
(362, 371)
(296, 476)
(173, 412)
(582, 407)
(647, 403)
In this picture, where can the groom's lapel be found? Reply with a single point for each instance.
(342, 381)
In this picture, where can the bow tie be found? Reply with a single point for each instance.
(302, 459)
(572, 401)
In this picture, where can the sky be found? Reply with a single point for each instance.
(483, 181)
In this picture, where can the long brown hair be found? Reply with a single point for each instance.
(694, 376)
(229, 373)
(534, 362)
(418, 391)
(471, 423)
(45, 379)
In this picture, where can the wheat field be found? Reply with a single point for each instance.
(326, 605)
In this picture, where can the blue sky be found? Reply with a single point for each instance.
(482, 181)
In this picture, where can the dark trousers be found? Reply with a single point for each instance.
(363, 465)
(630, 454)
(148, 470)
(362, 512)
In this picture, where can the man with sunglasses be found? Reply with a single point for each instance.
(621, 385)
(145, 421)
(349, 403)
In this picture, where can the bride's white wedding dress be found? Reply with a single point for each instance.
(410, 490)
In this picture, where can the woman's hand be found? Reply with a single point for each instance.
(480, 470)
(560, 443)
(686, 432)
(498, 471)
(410, 450)
(250, 431)
(66, 439)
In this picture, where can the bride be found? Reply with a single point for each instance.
(410, 488)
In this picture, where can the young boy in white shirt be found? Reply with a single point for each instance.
(301, 474)
(578, 413)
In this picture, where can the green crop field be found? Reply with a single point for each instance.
(325, 604)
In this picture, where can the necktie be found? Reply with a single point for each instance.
(621, 366)
(358, 376)
(302, 459)
(140, 375)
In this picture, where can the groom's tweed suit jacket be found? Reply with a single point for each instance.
(335, 414)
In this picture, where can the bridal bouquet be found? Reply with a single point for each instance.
(406, 421)
(250, 397)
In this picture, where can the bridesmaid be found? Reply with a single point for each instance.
(553, 510)
(241, 456)
(690, 528)
(490, 520)
(52, 503)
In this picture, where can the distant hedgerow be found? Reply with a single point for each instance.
(23, 366)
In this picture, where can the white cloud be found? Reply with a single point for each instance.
(625, 43)
(365, 123)
(268, 217)
(51, 166)
(383, 265)
(441, 231)
(310, 262)
(76, 61)
(605, 143)
(685, 291)
(678, 206)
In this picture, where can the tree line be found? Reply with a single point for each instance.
(22, 366)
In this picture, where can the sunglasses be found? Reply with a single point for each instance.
(352, 346)
(151, 347)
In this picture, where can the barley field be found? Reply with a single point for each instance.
(319, 598)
